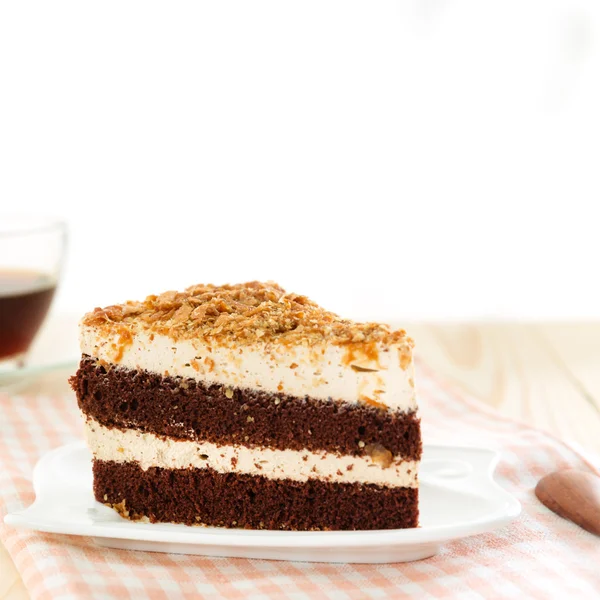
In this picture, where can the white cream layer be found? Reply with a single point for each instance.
(383, 378)
(149, 450)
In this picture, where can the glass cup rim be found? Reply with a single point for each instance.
(16, 225)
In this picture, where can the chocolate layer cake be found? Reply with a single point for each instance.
(246, 406)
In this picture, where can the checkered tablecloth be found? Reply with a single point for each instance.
(537, 556)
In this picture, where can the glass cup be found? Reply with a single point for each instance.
(32, 250)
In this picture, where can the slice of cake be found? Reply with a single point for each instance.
(246, 406)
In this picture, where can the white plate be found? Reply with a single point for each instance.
(458, 497)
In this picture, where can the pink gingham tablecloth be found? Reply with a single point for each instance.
(538, 556)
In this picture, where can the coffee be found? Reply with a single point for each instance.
(25, 297)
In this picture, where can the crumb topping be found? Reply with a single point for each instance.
(240, 314)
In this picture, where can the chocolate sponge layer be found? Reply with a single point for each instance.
(188, 409)
(204, 496)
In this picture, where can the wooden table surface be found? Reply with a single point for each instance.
(547, 375)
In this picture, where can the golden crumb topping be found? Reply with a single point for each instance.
(239, 314)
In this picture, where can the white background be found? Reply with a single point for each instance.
(422, 159)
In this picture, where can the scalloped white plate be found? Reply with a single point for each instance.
(458, 498)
